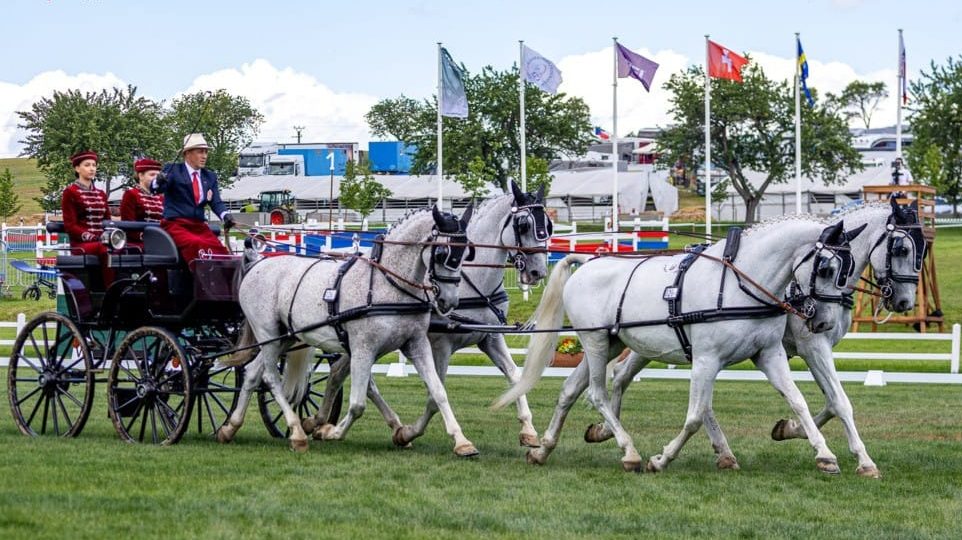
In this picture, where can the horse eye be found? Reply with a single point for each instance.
(522, 225)
(824, 268)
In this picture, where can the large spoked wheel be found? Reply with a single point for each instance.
(50, 378)
(149, 389)
(271, 412)
(215, 390)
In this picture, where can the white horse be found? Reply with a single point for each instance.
(892, 243)
(364, 309)
(613, 296)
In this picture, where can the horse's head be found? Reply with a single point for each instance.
(897, 258)
(449, 248)
(528, 228)
(820, 286)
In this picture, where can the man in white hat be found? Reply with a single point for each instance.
(188, 187)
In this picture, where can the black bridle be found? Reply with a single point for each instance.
(823, 254)
(522, 219)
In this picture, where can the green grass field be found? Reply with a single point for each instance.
(27, 181)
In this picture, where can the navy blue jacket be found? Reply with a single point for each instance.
(178, 193)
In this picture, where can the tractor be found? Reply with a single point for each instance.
(280, 205)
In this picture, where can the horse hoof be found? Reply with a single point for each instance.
(728, 463)
(309, 425)
(324, 432)
(778, 432)
(651, 468)
(466, 450)
(299, 445)
(534, 457)
(530, 441)
(597, 433)
(403, 436)
(869, 472)
(631, 465)
(225, 434)
(827, 466)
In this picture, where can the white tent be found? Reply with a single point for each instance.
(634, 186)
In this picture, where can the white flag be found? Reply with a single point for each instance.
(540, 71)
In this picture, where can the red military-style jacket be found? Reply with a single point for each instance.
(140, 205)
(84, 210)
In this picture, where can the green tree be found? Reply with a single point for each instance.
(555, 125)
(228, 122)
(475, 179)
(9, 200)
(360, 191)
(118, 124)
(752, 128)
(859, 100)
(936, 118)
(538, 173)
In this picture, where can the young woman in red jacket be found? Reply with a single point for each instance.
(139, 204)
(84, 210)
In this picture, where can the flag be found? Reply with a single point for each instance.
(902, 72)
(803, 73)
(540, 71)
(454, 101)
(636, 66)
(724, 64)
(602, 134)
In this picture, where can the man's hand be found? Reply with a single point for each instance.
(229, 222)
(159, 182)
(88, 237)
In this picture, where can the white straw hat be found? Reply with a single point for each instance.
(194, 141)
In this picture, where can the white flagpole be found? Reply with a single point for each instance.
(798, 130)
(440, 122)
(898, 93)
(524, 148)
(707, 140)
(614, 146)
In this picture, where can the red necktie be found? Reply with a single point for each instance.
(196, 189)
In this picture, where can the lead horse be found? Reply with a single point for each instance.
(893, 244)
(373, 306)
(776, 252)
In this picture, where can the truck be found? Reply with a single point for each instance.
(285, 165)
(390, 157)
(254, 159)
(317, 161)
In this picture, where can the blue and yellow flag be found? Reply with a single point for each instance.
(803, 73)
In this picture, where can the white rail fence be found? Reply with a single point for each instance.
(873, 377)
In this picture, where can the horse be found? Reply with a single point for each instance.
(709, 336)
(373, 306)
(896, 269)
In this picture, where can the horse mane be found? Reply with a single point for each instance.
(488, 204)
(861, 207)
(405, 219)
(785, 218)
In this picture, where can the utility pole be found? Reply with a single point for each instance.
(298, 129)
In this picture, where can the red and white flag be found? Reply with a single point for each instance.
(904, 90)
(724, 64)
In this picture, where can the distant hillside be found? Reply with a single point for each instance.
(27, 182)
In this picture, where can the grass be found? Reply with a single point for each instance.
(95, 486)
(27, 181)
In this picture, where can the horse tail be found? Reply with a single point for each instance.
(246, 345)
(550, 314)
(296, 374)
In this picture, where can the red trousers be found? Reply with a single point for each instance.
(194, 238)
(100, 250)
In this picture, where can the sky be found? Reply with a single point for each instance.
(323, 64)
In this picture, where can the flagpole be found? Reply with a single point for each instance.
(524, 148)
(707, 140)
(798, 128)
(440, 122)
(898, 92)
(614, 145)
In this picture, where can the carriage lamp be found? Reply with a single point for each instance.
(257, 242)
(114, 238)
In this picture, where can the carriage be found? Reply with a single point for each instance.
(155, 338)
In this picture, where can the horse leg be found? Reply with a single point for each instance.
(497, 350)
(360, 369)
(596, 345)
(441, 353)
(724, 458)
(703, 374)
(340, 369)
(272, 377)
(574, 386)
(774, 364)
(625, 371)
(819, 360)
(252, 379)
(418, 349)
(390, 417)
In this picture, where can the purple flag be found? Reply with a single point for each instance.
(636, 66)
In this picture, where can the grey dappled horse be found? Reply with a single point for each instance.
(285, 294)
(774, 253)
(893, 244)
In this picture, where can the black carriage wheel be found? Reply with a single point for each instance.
(50, 379)
(215, 391)
(271, 412)
(149, 391)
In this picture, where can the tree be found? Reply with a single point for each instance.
(538, 174)
(859, 100)
(936, 119)
(228, 122)
(360, 191)
(118, 124)
(9, 200)
(555, 125)
(752, 128)
(475, 178)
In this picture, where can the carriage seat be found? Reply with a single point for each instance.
(159, 248)
(77, 262)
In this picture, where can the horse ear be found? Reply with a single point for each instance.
(830, 235)
(540, 195)
(518, 194)
(438, 217)
(853, 234)
(466, 217)
(897, 210)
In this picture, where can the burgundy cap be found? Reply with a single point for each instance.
(79, 157)
(143, 165)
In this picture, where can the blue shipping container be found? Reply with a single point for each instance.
(391, 157)
(317, 161)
